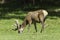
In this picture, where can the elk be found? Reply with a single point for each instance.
(34, 17)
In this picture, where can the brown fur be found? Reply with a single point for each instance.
(33, 17)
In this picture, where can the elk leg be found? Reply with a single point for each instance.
(41, 18)
(35, 26)
(42, 29)
(29, 25)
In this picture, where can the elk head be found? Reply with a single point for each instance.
(19, 26)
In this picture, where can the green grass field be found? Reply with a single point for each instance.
(51, 32)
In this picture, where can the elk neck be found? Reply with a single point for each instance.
(24, 23)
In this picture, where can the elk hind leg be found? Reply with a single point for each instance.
(42, 22)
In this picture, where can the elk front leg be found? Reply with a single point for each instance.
(29, 25)
(35, 26)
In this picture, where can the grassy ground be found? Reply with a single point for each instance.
(51, 32)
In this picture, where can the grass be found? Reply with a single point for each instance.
(51, 32)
